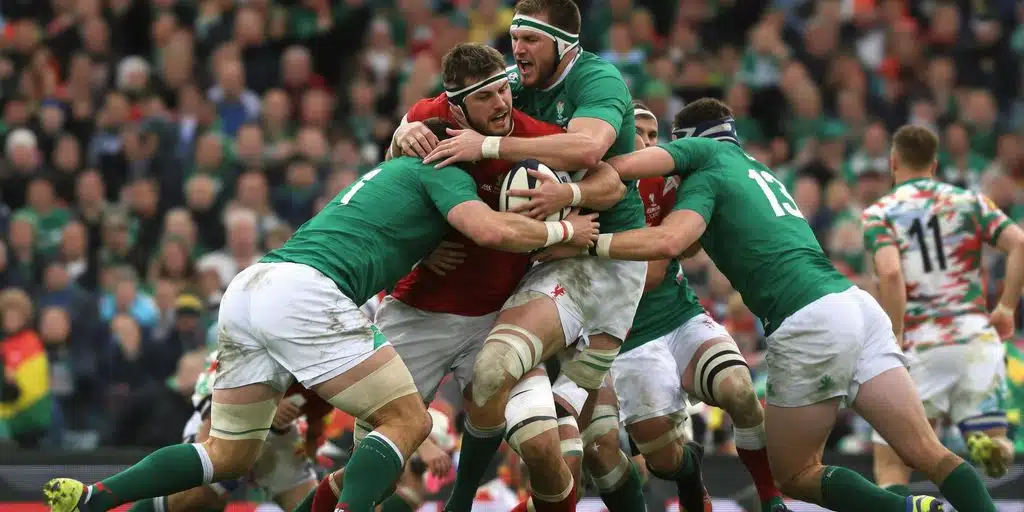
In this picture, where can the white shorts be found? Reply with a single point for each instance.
(279, 320)
(433, 344)
(279, 468)
(593, 295)
(829, 348)
(648, 379)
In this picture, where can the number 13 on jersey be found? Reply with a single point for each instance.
(780, 205)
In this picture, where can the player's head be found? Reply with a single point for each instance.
(439, 127)
(914, 153)
(646, 125)
(543, 33)
(706, 117)
(477, 88)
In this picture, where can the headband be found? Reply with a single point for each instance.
(564, 41)
(637, 112)
(457, 96)
(719, 129)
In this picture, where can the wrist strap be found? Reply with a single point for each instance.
(577, 195)
(558, 232)
(603, 246)
(490, 147)
(1003, 309)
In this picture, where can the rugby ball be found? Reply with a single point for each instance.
(519, 179)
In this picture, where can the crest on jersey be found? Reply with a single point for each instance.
(560, 119)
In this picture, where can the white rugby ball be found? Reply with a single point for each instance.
(519, 179)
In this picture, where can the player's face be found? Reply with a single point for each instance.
(647, 129)
(535, 56)
(489, 110)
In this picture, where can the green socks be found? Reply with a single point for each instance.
(146, 505)
(371, 472)
(629, 497)
(478, 449)
(306, 505)
(164, 472)
(395, 503)
(900, 489)
(965, 490)
(844, 490)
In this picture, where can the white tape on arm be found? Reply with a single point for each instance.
(490, 147)
(577, 195)
(558, 232)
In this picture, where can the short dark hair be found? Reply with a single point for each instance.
(702, 111)
(915, 146)
(470, 62)
(640, 104)
(438, 126)
(563, 14)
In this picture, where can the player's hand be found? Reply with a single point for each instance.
(556, 252)
(463, 146)
(585, 229)
(415, 139)
(286, 413)
(445, 258)
(1003, 320)
(549, 197)
(438, 462)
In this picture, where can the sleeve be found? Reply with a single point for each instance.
(515, 82)
(604, 96)
(448, 188)
(991, 220)
(877, 231)
(690, 154)
(422, 110)
(697, 193)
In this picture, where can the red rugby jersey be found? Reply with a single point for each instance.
(480, 284)
(659, 196)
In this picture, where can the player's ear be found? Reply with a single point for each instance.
(439, 127)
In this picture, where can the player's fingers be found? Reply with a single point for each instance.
(415, 148)
(521, 192)
(452, 259)
(431, 139)
(433, 268)
(451, 160)
(439, 152)
(450, 245)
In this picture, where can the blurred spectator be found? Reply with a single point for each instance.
(242, 247)
(27, 409)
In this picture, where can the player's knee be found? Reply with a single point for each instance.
(736, 395)
(508, 353)
(601, 437)
(225, 459)
(664, 462)
(569, 434)
(660, 441)
(719, 363)
(407, 415)
(802, 483)
(530, 419)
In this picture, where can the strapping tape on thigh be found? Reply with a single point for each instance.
(242, 421)
(675, 433)
(608, 482)
(711, 369)
(605, 419)
(590, 367)
(389, 382)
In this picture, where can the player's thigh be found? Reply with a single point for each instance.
(472, 332)
(590, 295)
(244, 357)
(797, 436)
(283, 467)
(705, 351)
(820, 352)
(426, 341)
(204, 497)
(310, 327)
(647, 382)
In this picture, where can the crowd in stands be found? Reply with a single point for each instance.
(153, 149)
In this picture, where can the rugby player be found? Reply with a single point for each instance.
(926, 238)
(674, 341)
(284, 469)
(554, 80)
(437, 320)
(295, 315)
(829, 343)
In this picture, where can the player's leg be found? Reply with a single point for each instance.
(284, 473)
(717, 374)
(617, 481)
(332, 349)
(249, 385)
(814, 359)
(890, 472)
(976, 404)
(525, 334)
(888, 399)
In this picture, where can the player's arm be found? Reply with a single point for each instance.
(599, 189)
(1011, 241)
(892, 290)
(677, 233)
(881, 243)
(584, 143)
(454, 194)
(646, 163)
